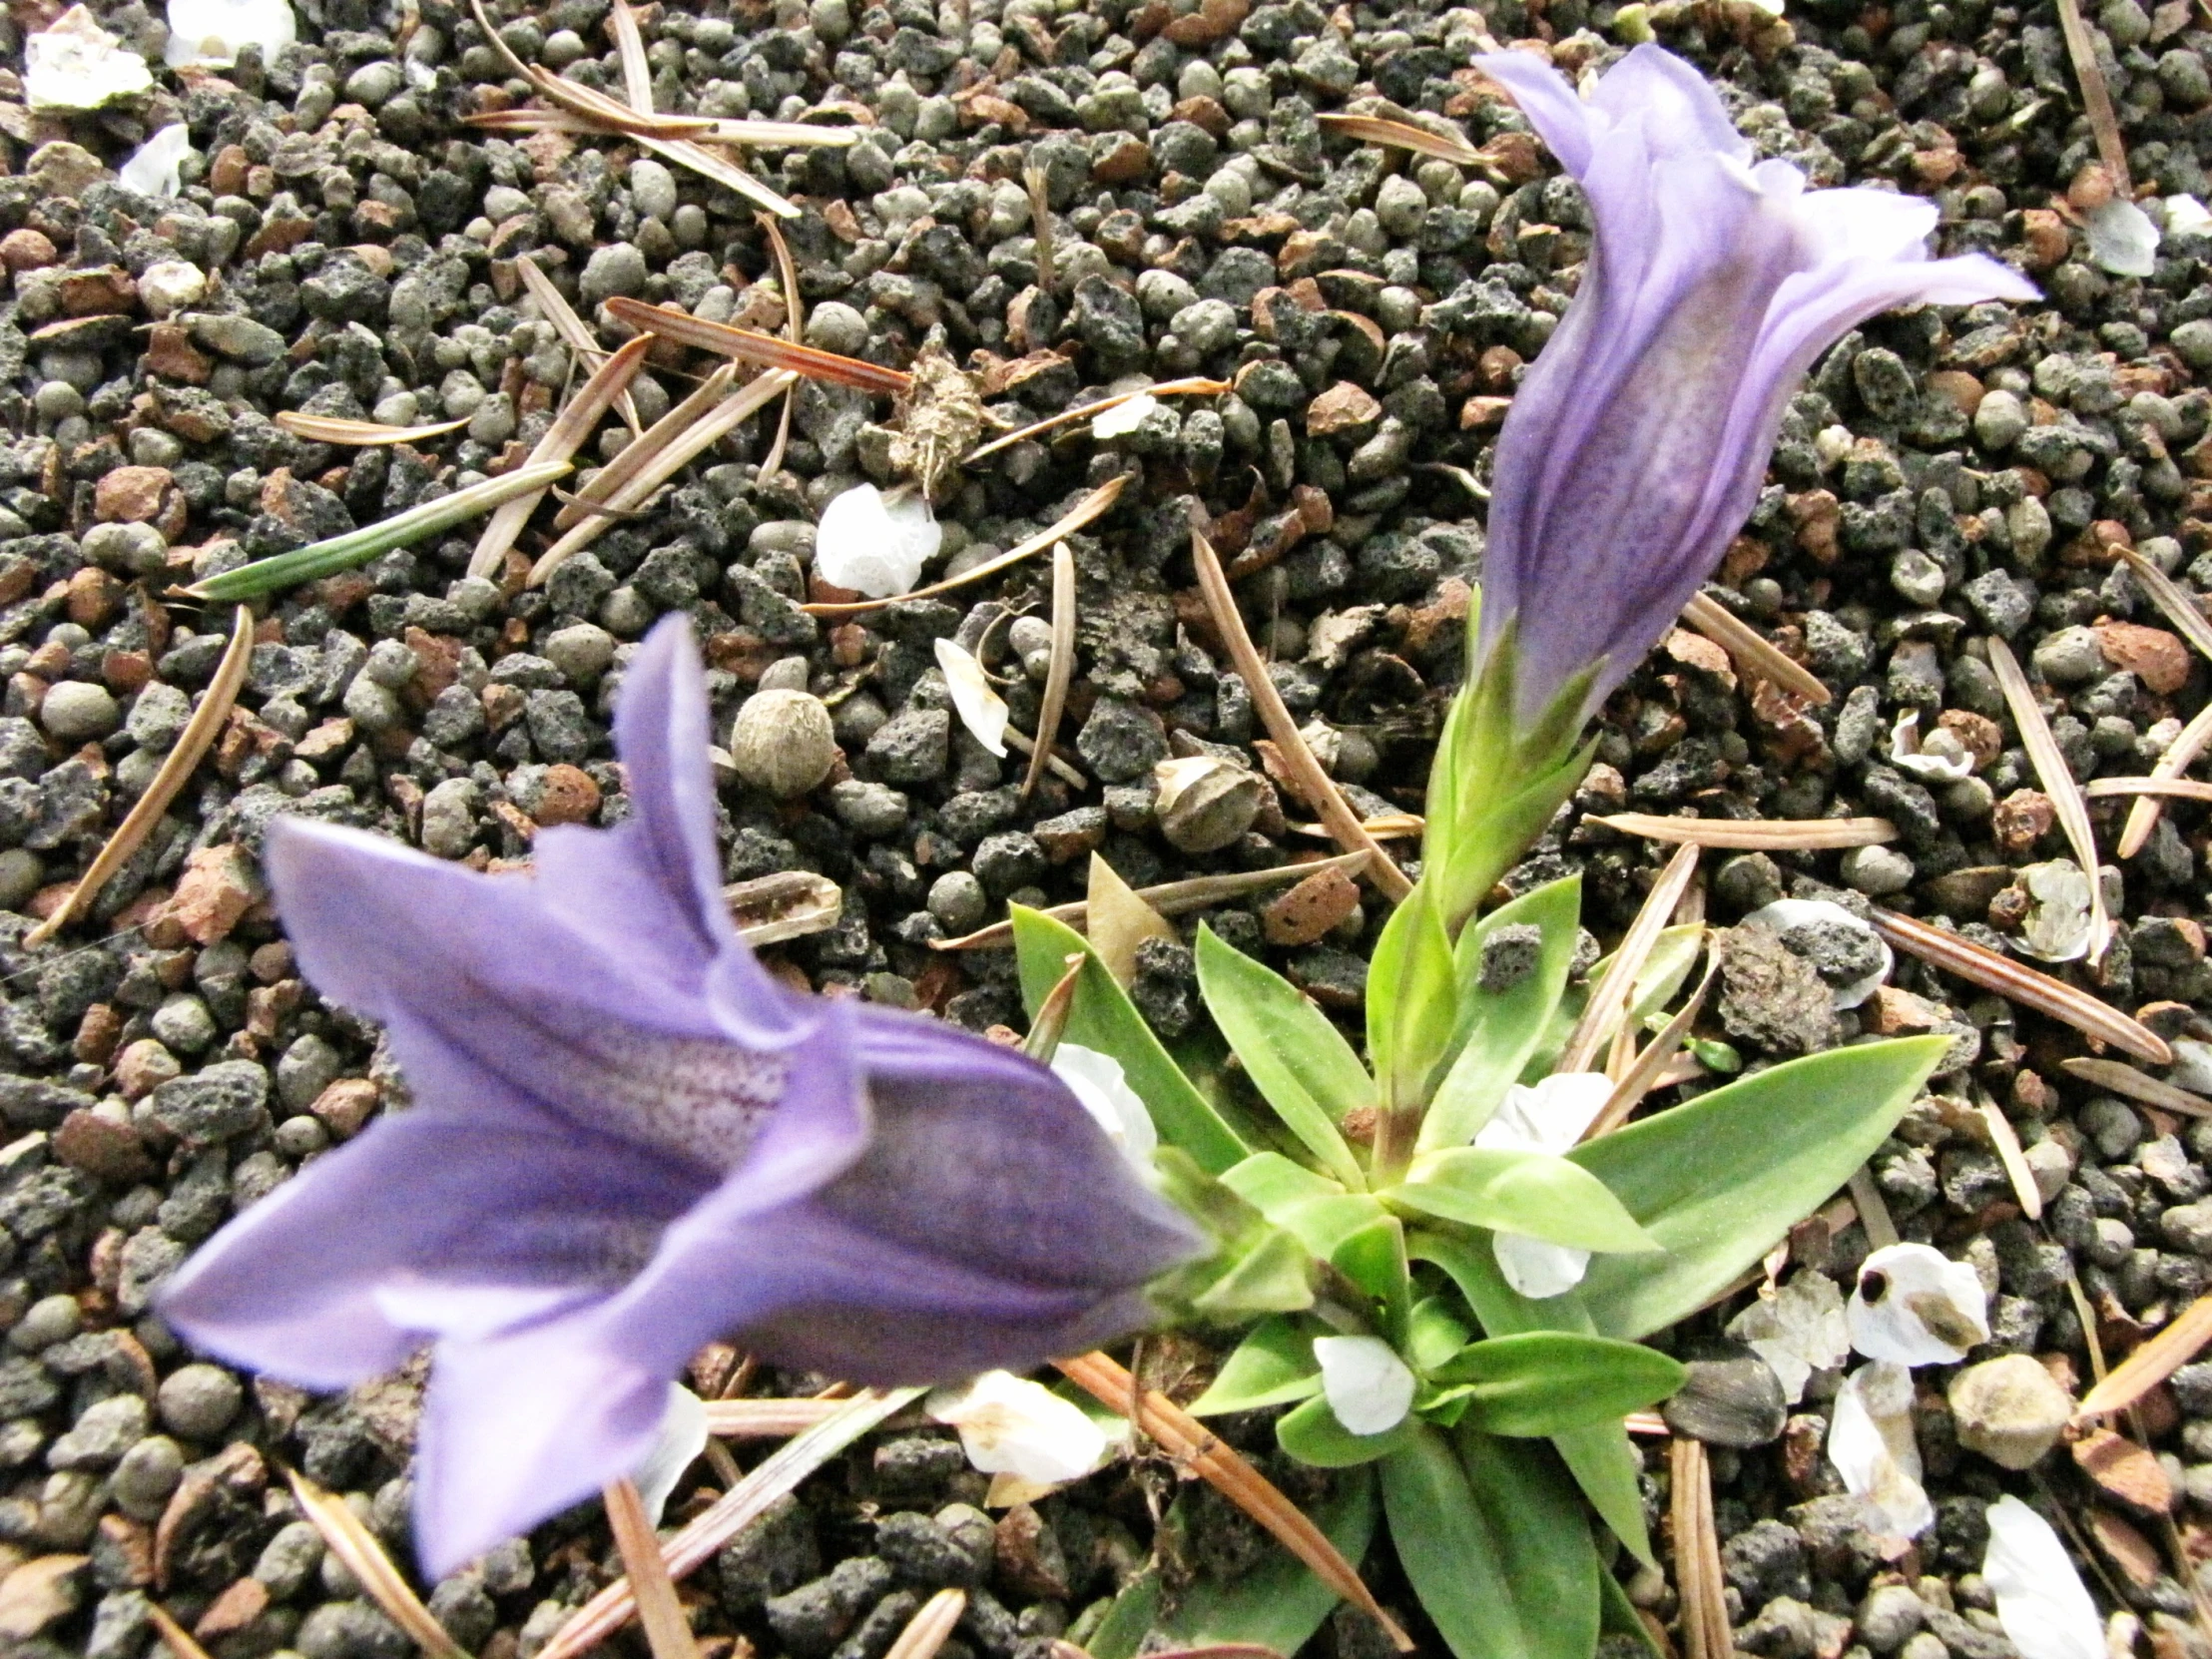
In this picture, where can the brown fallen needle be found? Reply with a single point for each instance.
(1321, 792)
(1189, 1442)
(749, 346)
(1787, 834)
(2150, 1365)
(665, 1632)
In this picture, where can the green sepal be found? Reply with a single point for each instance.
(1503, 1028)
(1274, 1366)
(1104, 1018)
(1298, 1061)
(1544, 1383)
(1255, 1267)
(1373, 1258)
(1537, 1194)
(1434, 1333)
(1717, 1180)
(1311, 1433)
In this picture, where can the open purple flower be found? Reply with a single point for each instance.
(1636, 443)
(633, 1141)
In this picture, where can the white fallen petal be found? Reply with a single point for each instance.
(77, 65)
(2122, 237)
(1123, 418)
(2040, 1599)
(1548, 1116)
(2184, 215)
(974, 699)
(2057, 928)
(1870, 1440)
(152, 168)
(1939, 758)
(212, 32)
(1538, 1268)
(1915, 1306)
(1012, 1425)
(1364, 1381)
(876, 544)
(1103, 1087)
(683, 1438)
(1786, 914)
(1798, 1330)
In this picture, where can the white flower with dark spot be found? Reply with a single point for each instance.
(1916, 1307)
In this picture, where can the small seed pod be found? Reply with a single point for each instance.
(782, 741)
(1205, 803)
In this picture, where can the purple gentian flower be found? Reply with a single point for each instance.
(1636, 443)
(631, 1140)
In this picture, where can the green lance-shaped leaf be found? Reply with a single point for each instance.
(1544, 1383)
(358, 547)
(1717, 1181)
(1536, 1193)
(1502, 1027)
(1274, 1366)
(1494, 1544)
(1604, 1463)
(1300, 1062)
(1413, 1015)
(1104, 1018)
(1313, 1434)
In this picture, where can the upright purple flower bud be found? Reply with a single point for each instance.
(630, 1141)
(1636, 443)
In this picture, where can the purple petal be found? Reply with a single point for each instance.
(1636, 444)
(426, 1223)
(518, 1427)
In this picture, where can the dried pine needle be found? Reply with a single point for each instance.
(763, 350)
(2096, 97)
(1751, 649)
(640, 453)
(1091, 507)
(2151, 1091)
(2180, 755)
(2171, 597)
(2008, 1144)
(1697, 1555)
(637, 73)
(553, 306)
(929, 1629)
(357, 1546)
(766, 1419)
(1194, 386)
(1320, 790)
(667, 1634)
(696, 1544)
(2174, 789)
(2058, 783)
(794, 322)
(1614, 991)
(2020, 984)
(359, 434)
(2150, 1365)
(1061, 672)
(177, 766)
(1402, 135)
(608, 382)
(1190, 1442)
(173, 1636)
(1170, 898)
(1772, 834)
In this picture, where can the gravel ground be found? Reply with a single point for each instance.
(349, 250)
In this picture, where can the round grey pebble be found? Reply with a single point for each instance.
(652, 190)
(1877, 871)
(351, 1630)
(1736, 1402)
(836, 326)
(615, 269)
(147, 1475)
(200, 1401)
(77, 711)
(958, 899)
(582, 651)
(783, 742)
(50, 1319)
(21, 876)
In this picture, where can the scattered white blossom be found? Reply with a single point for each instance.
(152, 168)
(77, 65)
(1915, 1306)
(1101, 1085)
(2040, 1599)
(1798, 1330)
(876, 544)
(2122, 237)
(1939, 756)
(2185, 213)
(1870, 1440)
(2057, 925)
(683, 1438)
(974, 699)
(212, 32)
(1123, 418)
(1550, 1116)
(1364, 1381)
(1012, 1425)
